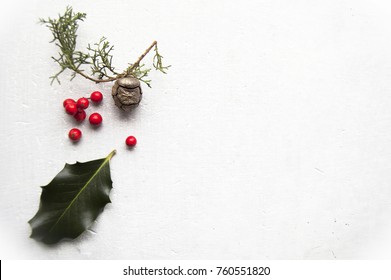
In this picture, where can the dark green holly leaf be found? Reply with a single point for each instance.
(72, 201)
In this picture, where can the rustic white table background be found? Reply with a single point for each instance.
(269, 138)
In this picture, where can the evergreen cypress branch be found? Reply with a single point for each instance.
(98, 56)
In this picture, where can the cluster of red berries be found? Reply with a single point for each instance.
(77, 110)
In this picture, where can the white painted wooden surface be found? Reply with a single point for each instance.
(269, 138)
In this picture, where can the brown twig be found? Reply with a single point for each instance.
(137, 63)
(96, 80)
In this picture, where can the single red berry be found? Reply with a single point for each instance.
(71, 108)
(74, 134)
(80, 115)
(68, 101)
(131, 141)
(95, 119)
(96, 96)
(82, 103)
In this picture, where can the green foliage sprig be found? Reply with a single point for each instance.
(98, 56)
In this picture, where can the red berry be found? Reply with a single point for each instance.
(96, 96)
(131, 141)
(80, 116)
(71, 108)
(74, 134)
(95, 119)
(68, 101)
(82, 103)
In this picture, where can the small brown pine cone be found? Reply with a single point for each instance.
(127, 93)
